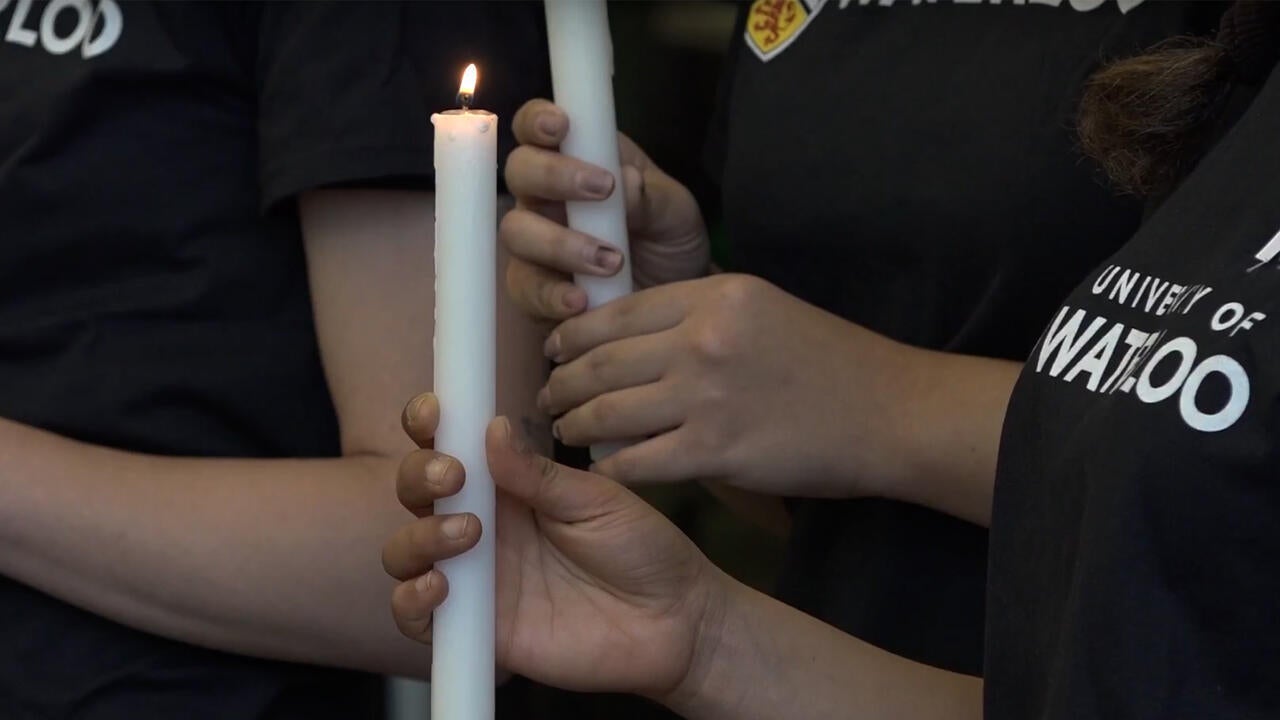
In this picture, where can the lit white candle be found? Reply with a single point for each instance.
(582, 78)
(466, 163)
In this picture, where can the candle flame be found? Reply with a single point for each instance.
(468, 86)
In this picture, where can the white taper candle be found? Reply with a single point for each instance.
(466, 162)
(582, 77)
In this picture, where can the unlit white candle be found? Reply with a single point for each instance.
(582, 78)
(466, 161)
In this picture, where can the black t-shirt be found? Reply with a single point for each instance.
(153, 294)
(913, 169)
(1135, 542)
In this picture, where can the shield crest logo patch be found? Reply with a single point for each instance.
(772, 25)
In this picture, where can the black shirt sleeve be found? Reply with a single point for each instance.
(346, 90)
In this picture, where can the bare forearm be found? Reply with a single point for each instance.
(771, 661)
(276, 558)
(950, 433)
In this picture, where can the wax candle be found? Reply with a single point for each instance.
(582, 79)
(466, 162)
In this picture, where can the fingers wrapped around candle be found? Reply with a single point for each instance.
(563, 494)
(416, 547)
(419, 419)
(413, 601)
(542, 174)
(625, 363)
(621, 412)
(549, 244)
(409, 556)
(645, 312)
(540, 122)
(543, 294)
(664, 458)
(426, 476)
(621, 416)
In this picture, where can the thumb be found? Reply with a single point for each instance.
(647, 190)
(653, 199)
(560, 493)
(638, 200)
(659, 206)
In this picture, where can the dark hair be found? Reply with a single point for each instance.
(1147, 119)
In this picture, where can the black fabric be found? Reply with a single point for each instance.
(148, 303)
(1250, 31)
(1135, 548)
(913, 169)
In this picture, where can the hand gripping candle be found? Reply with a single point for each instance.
(466, 164)
(582, 78)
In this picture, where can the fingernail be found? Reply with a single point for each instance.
(605, 258)
(575, 300)
(455, 527)
(550, 123)
(424, 582)
(544, 399)
(639, 177)
(515, 439)
(437, 467)
(596, 183)
(411, 412)
(555, 431)
(551, 348)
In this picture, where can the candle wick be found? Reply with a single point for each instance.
(464, 99)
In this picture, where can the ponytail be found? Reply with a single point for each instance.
(1147, 119)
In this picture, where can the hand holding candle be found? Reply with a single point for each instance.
(582, 74)
(616, 199)
(598, 591)
(466, 159)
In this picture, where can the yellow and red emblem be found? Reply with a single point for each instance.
(773, 24)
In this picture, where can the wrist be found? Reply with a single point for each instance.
(944, 434)
(906, 429)
(707, 683)
(19, 516)
(872, 444)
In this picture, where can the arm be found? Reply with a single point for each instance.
(651, 614)
(222, 552)
(760, 659)
(729, 377)
(946, 431)
(667, 235)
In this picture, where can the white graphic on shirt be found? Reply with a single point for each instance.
(95, 29)
(1081, 5)
(1111, 357)
(1267, 253)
